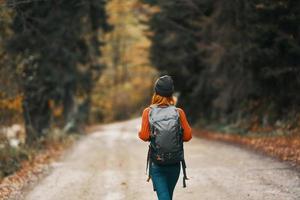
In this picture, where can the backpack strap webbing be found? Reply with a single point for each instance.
(148, 163)
(148, 167)
(184, 173)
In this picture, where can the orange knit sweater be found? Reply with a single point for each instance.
(144, 133)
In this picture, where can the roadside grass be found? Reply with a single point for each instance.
(12, 159)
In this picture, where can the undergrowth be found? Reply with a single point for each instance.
(11, 158)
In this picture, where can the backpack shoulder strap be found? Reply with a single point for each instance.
(184, 173)
(152, 107)
(178, 114)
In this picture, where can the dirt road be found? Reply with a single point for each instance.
(110, 165)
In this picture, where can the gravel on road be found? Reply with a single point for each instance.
(109, 164)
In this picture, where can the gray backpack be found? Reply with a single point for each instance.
(166, 142)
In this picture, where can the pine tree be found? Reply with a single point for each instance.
(226, 54)
(276, 36)
(175, 36)
(57, 42)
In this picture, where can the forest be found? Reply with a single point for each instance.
(234, 62)
(64, 65)
(68, 64)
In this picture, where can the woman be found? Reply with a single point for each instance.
(164, 176)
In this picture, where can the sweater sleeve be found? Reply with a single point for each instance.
(187, 130)
(144, 133)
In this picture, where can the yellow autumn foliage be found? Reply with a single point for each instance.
(14, 104)
(125, 86)
(57, 110)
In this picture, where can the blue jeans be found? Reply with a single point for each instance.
(164, 179)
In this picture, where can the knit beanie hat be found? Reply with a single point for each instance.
(164, 86)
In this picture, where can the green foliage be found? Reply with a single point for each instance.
(277, 50)
(10, 98)
(10, 161)
(11, 158)
(228, 55)
(57, 45)
(174, 50)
